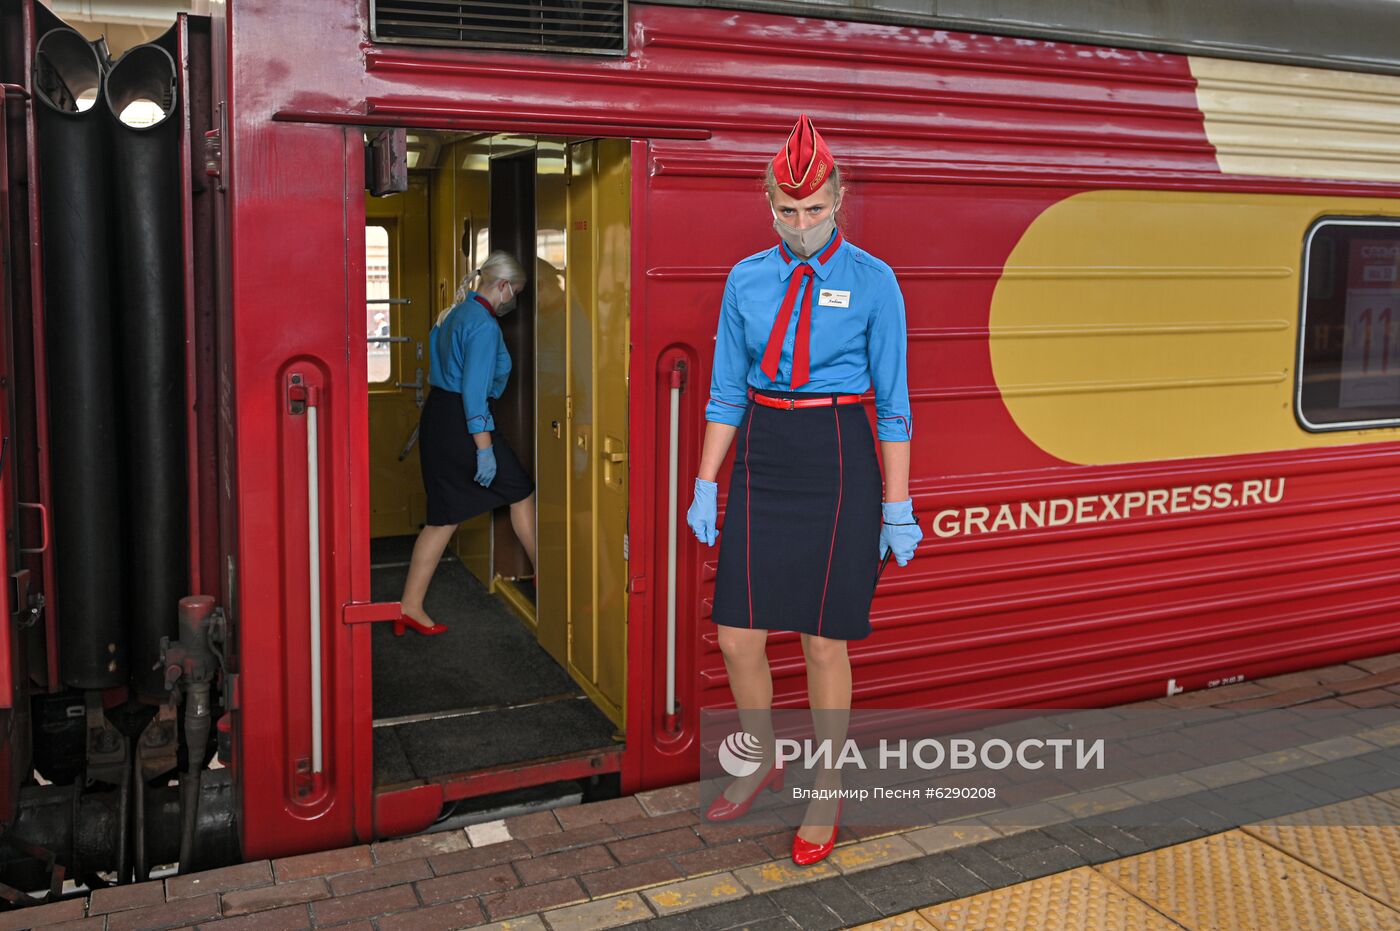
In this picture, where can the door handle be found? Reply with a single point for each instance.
(615, 457)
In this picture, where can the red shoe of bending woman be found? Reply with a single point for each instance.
(417, 628)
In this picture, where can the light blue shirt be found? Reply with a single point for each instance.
(467, 354)
(851, 347)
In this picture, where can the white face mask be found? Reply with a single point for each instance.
(806, 242)
(507, 304)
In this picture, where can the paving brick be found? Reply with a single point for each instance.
(636, 827)
(1375, 698)
(630, 878)
(536, 898)
(779, 874)
(907, 896)
(1088, 848)
(722, 857)
(941, 837)
(595, 916)
(95, 923)
(715, 833)
(651, 846)
(37, 916)
(289, 918)
(323, 863)
(522, 923)
(675, 798)
(565, 863)
(425, 845)
(169, 915)
(985, 867)
(837, 895)
(694, 893)
(464, 860)
(1367, 682)
(263, 898)
(609, 812)
(120, 898)
(460, 914)
(391, 874)
(1378, 663)
(871, 854)
(749, 912)
(363, 905)
(1045, 861)
(578, 837)
(535, 824)
(806, 909)
(488, 879)
(239, 876)
(1299, 695)
(778, 845)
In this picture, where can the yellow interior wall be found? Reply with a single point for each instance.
(1144, 325)
(461, 189)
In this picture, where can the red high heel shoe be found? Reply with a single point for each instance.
(722, 809)
(805, 853)
(416, 627)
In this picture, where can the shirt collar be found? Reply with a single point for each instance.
(822, 263)
(484, 303)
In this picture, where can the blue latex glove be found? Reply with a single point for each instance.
(704, 513)
(485, 466)
(899, 530)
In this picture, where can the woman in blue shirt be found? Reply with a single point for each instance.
(806, 327)
(468, 468)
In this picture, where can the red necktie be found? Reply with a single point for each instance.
(801, 275)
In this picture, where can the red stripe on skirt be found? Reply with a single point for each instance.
(840, 487)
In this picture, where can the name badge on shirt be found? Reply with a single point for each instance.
(829, 298)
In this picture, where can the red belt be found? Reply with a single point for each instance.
(789, 404)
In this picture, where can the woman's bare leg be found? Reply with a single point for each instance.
(829, 695)
(522, 521)
(746, 659)
(427, 553)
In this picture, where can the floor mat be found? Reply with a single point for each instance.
(443, 746)
(522, 704)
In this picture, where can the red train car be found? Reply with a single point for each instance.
(1150, 297)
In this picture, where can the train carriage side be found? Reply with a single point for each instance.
(1150, 301)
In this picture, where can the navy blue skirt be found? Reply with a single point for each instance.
(799, 546)
(447, 454)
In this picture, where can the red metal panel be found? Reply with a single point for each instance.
(954, 144)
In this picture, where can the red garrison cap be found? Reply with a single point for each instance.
(805, 163)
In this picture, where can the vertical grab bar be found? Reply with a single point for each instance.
(304, 399)
(677, 383)
(313, 526)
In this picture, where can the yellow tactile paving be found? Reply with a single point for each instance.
(1357, 842)
(1233, 881)
(909, 921)
(1077, 900)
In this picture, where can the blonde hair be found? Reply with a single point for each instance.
(498, 265)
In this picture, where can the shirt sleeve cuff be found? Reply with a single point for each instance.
(718, 411)
(895, 429)
(481, 423)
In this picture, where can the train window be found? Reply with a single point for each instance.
(378, 310)
(1349, 341)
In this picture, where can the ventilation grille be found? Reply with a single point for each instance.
(597, 27)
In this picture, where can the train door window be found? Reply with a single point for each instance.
(377, 306)
(1349, 339)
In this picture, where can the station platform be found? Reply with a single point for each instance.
(1149, 854)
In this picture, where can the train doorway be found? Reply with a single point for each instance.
(528, 685)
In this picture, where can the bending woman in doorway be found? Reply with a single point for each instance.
(805, 329)
(468, 468)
